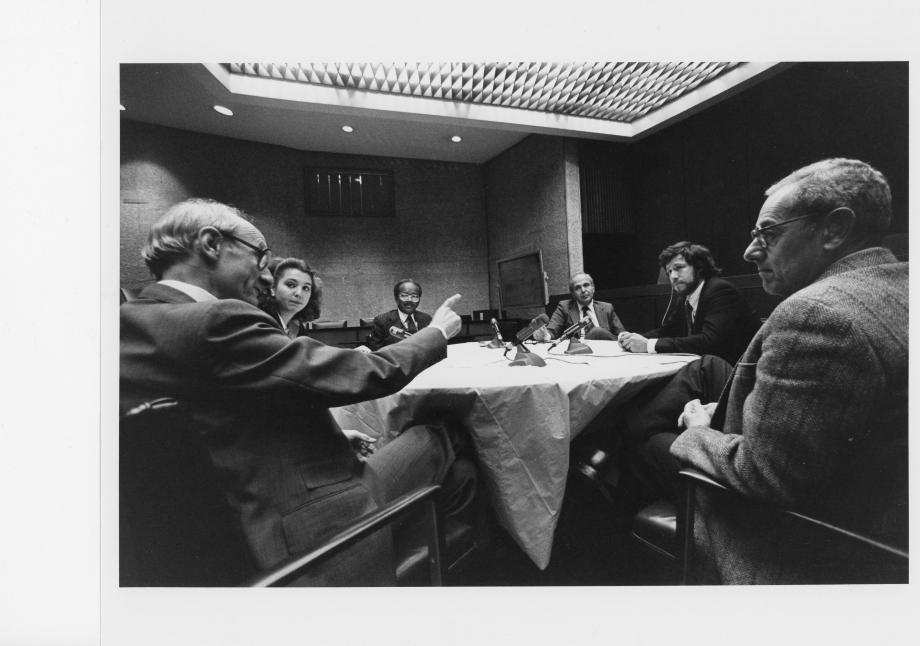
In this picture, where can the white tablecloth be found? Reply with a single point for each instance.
(521, 419)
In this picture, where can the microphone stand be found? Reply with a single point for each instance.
(524, 357)
(496, 341)
(577, 347)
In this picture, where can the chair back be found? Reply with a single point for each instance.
(366, 322)
(176, 527)
(325, 325)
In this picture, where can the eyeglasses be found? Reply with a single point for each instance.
(263, 256)
(410, 297)
(757, 233)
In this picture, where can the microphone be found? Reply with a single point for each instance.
(523, 356)
(497, 340)
(498, 332)
(529, 331)
(399, 333)
(571, 331)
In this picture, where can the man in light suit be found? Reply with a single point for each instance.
(605, 324)
(815, 414)
(261, 400)
(396, 325)
(709, 315)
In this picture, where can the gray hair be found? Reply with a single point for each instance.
(572, 280)
(172, 238)
(833, 183)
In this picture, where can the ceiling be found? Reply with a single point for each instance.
(413, 110)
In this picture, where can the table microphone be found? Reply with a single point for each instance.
(523, 356)
(497, 340)
(399, 333)
(571, 331)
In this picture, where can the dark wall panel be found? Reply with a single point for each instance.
(703, 178)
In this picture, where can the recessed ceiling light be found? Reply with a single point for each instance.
(121, 107)
(225, 111)
(456, 139)
(347, 129)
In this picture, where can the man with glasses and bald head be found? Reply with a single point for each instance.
(260, 400)
(814, 417)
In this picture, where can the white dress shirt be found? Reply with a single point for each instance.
(693, 300)
(194, 292)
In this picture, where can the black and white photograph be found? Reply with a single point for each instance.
(454, 338)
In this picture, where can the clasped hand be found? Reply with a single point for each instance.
(632, 342)
(696, 414)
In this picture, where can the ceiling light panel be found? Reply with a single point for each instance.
(611, 91)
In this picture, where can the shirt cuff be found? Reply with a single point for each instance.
(443, 331)
(650, 346)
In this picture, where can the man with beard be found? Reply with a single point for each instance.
(708, 316)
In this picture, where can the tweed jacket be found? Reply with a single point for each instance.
(261, 402)
(568, 313)
(723, 324)
(814, 419)
(380, 331)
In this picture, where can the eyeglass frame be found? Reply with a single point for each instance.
(263, 256)
(408, 297)
(757, 232)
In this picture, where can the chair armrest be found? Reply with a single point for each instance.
(296, 566)
(692, 478)
(698, 477)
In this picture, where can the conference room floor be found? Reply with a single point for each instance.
(593, 547)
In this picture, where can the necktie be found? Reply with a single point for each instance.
(586, 312)
(410, 325)
(689, 318)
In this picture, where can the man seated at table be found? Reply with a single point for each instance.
(260, 400)
(396, 325)
(814, 417)
(708, 316)
(605, 324)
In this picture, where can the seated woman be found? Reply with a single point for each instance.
(296, 296)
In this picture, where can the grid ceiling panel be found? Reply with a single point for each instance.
(610, 91)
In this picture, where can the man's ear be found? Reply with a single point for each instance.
(209, 239)
(838, 226)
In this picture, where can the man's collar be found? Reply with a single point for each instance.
(694, 297)
(581, 307)
(194, 292)
(402, 315)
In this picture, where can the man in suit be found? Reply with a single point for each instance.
(605, 324)
(815, 415)
(401, 323)
(709, 315)
(261, 400)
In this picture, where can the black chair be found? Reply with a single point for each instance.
(177, 528)
(326, 325)
(363, 322)
(844, 556)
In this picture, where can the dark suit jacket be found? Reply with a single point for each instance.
(815, 419)
(380, 332)
(261, 401)
(568, 313)
(723, 325)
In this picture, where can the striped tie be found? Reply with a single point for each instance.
(586, 312)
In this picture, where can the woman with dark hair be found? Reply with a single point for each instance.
(296, 295)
